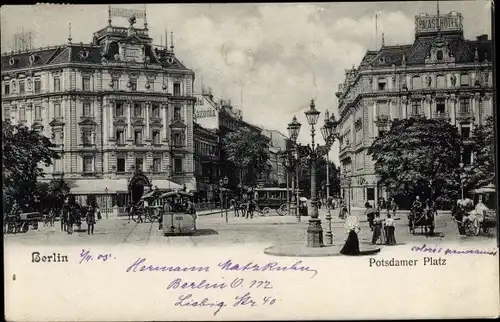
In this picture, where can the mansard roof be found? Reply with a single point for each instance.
(415, 54)
(91, 54)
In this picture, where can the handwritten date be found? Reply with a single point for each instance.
(86, 256)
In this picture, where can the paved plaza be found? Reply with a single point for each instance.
(214, 231)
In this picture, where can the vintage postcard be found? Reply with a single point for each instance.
(270, 161)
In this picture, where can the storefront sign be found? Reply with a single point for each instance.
(206, 117)
(450, 22)
(205, 113)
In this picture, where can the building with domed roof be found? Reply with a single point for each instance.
(440, 75)
(119, 110)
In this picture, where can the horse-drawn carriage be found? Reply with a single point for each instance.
(21, 222)
(425, 218)
(176, 218)
(472, 221)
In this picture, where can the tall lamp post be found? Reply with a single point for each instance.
(223, 186)
(347, 182)
(293, 131)
(314, 231)
(106, 202)
(462, 178)
(329, 133)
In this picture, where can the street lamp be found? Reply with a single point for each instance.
(106, 202)
(347, 182)
(329, 132)
(293, 131)
(462, 178)
(223, 185)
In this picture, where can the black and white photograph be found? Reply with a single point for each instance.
(249, 161)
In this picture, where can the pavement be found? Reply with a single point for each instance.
(213, 230)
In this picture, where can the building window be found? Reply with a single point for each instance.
(464, 80)
(7, 89)
(464, 105)
(119, 110)
(382, 84)
(465, 132)
(466, 156)
(120, 164)
(86, 83)
(139, 164)
(57, 84)
(370, 193)
(440, 106)
(137, 110)
(87, 137)
(177, 165)
(57, 110)
(138, 137)
(22, 88)
(120, 137)
(38, 112)
(133, 84)
(87, 111)
(177, 89)
(157, 164)
(116, 83)
(381, 133)
(57, 138)
(177, 112)
(441, 81)
(416, 82)
(155, 111)
(38, 86)
(177, 141)
(156, 137)
(416, 107)
(22, 114)
(88, 164)
(58, 165)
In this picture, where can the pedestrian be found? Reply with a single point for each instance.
(191, 209)
(90, 218)
(377, 228)
(351, 246)
(390, 227)
(98, 213)
(319, 204)
(370, 214)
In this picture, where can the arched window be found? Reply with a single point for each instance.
(464, 80)
(416, 82)
(441, 81)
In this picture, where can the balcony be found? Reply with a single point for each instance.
(441, 116)
(464, 114)
(417, 114)
(381, 120)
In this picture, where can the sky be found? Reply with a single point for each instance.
(269, 59)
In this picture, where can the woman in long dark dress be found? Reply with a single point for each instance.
(351, 246)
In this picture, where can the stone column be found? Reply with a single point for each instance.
(404, 107)
(110, 113)
(147, 135)
(452, 110)
(391, 112)
(164, 114)
(129, 120)
(375, 128)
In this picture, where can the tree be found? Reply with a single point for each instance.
(482, 171)
(247, 152)
(23, 151)
(416, 154)
(304, 168)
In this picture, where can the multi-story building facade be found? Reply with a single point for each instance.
(119, 110)
(221, 117)
(441, 75)
(277, 145)
(206, 158)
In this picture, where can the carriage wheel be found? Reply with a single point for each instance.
(469, 228)
(35, 225)
(10, 228)
(282, 210)
(266, 211)
(26, 227)
(477, 228)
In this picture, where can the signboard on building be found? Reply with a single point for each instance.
(206, 116)
(444, 23)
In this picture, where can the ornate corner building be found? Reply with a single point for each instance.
(441, 75)
(113, 108)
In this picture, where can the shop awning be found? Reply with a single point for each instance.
(165, 184)
(97, 186)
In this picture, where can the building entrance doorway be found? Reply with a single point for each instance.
(137, 186)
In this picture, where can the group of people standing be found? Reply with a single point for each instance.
(72, 213)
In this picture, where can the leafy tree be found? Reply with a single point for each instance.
(304, 168)
(482, 171)
(247, 152)
(414, 153)
(23, 151)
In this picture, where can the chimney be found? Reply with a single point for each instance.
(482, 38)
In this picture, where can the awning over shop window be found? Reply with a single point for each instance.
(165, 184)
(97, 186)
